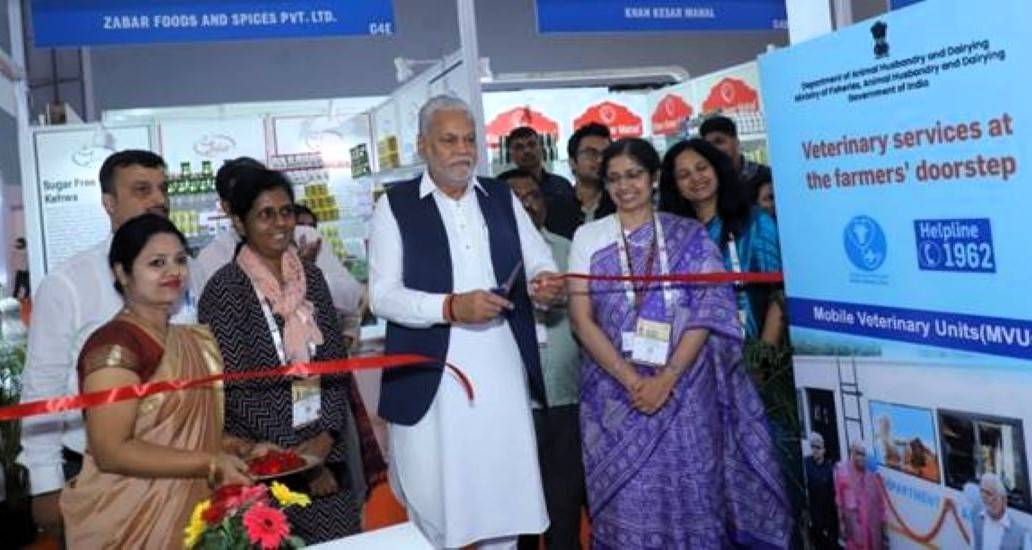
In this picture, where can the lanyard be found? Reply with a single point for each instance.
(658, 244)
(640, 292)
(277, 338)
(736, 263)
(274, 331)
(732, 252)
(736, 267)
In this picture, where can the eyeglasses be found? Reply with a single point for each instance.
(630, 176)
(589, 154)
(816, 447)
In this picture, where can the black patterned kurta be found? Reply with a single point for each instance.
(261, 410)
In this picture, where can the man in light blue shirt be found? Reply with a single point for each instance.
(557, 426)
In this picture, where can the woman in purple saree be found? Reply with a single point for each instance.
(676, 454)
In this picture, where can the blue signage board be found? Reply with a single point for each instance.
(897, 4)
(907, 150)
(605, 16)
(60, 23)
(901, 150)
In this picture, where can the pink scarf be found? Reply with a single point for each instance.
(288, 301)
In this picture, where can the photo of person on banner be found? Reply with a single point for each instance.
(992, 523)
(859, 498)
(904, 439)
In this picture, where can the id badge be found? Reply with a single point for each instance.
(626, 342)
(306, 397)
(651, 343)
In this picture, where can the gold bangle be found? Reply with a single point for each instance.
(212, 471)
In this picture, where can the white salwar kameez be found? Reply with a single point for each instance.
(467, 471)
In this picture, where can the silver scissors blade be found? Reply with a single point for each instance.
(507, 286)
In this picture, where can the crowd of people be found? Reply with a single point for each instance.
(629, 397)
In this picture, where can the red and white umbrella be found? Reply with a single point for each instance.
(670, 113)
(508, 121)
(731, 94)
(622, 122)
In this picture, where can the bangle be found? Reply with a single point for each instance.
(212, 472)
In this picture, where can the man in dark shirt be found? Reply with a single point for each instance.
(585, 149)
(564, 215)
(820, 493)
(722, 133)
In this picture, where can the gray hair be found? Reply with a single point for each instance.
(993, 482)
(441, 103)
(816, 439)
(858, 445)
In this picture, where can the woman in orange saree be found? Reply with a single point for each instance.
(148, 461)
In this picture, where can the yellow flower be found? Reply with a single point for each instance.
(286, 497)
(196, 526)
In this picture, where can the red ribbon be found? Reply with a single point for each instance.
(139, 391)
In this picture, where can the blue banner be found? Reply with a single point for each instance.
(897, 4)
(604, 16)
(901, 150)
(60, 23)
(974, 333)
(910, 154)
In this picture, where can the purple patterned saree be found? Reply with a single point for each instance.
(700, 473)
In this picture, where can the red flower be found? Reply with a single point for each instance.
(227, 492)
(227, 499)
(275, 462)
(254, 493)
(213, 514)
(266, 526)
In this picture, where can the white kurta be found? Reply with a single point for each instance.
(467, 471)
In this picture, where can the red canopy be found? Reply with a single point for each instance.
(620, 120)
(516, 117)
(731, 94)
(671, 111)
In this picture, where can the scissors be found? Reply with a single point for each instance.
(506, 287)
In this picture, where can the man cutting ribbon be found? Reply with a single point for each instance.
(439, 243)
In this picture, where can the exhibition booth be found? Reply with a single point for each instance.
(898, 159)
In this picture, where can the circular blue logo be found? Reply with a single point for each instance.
(865, 243)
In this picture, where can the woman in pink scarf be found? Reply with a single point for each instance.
(269, 308)
(859, 499)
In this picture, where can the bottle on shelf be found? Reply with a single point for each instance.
(171, 187)
(185, 184)
(207, 187)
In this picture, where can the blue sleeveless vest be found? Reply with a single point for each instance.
(406, 394)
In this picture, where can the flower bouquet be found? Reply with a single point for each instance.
(244, 517)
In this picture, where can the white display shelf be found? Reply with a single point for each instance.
(391, 175)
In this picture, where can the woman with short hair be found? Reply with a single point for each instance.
(269, 308)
